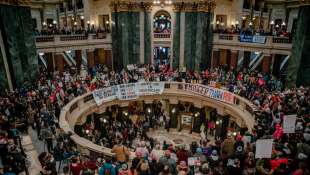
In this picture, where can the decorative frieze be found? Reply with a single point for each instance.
(16, 2)
(124, 6)
(187, 6)
(194, 6)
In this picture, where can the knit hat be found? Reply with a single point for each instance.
(198, 150)
(306, 136)
(139, 153)
(183, 164)
(302, 156)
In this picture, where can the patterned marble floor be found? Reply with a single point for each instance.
(32, 161)
(175, 137)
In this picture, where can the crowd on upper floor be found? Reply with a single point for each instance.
(67, 31)
(38, 105)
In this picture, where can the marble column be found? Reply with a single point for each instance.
(49, 61)
(108, 58)
(176, 41)
(182, 39)
(215, 58)
(266, 63)
(126, 38)
(59, 61)
(223, 56)
(147, 36)
(246, 59)
(101, 56)
(5, 76)
(78, 59)
(141, 19)
(233, 59)
(90, 58)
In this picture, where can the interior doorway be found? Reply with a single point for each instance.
(161, 55)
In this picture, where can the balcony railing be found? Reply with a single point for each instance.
(266, 44)
(226, 37)
(45, 39)
(271, 44)
(52, 38)
(162, 35)
(73, 37)
(285, 40)
(57, 43)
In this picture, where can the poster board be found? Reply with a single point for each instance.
(289, 123)
(263, 148)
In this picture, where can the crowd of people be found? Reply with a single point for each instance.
(37, 106)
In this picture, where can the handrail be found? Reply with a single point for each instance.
(84, 105)
(162, 35)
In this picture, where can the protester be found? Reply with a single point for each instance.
(38, 106)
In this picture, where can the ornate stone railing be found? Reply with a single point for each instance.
(60, 43)
(225, 37)
(240, 110)
(162, 35)
(272, 45)
(45, 39)
(285, 40)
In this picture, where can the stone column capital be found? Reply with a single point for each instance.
(234, 51)
(90, 50)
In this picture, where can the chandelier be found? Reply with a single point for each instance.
(162, 2)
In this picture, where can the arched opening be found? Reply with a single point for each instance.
(162, 32)
(162, 22)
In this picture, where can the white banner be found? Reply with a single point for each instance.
(151, 88)
(289, 123)
(210, 92)
(127, 91)
(259, 39)
(134, 90)
(105, 94)
(263, 148)
(130, 67)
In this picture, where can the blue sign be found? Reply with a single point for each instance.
(253, 39)
(246, 38)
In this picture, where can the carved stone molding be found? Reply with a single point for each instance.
(125, 6)
(195, 6)
(16, 2)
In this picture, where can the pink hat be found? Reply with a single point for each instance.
(183, 164)
(139, 153)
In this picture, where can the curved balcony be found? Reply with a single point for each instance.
(75, 112)
(60, 43)
(265, 44)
